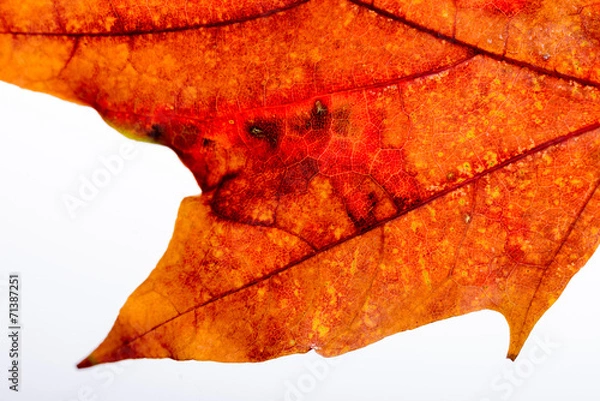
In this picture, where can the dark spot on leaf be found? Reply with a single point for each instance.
(362, 223)
(317, 120)
(318, 116)
(207, 142)
(267, 130)
(156, 132)
(372, 199)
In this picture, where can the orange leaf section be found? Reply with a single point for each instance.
(366, 168)
(559, 37)
(129, 16)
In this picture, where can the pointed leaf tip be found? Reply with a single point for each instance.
(86, 363)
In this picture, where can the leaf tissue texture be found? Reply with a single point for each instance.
(366, 167)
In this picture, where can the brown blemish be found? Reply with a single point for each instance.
(372, 199)
(317, 120)
(156, 132)
(267, 130)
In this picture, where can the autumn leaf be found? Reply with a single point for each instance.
(366, 168)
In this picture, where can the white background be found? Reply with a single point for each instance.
(77, 272)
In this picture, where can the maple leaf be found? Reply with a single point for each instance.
(366, 168)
